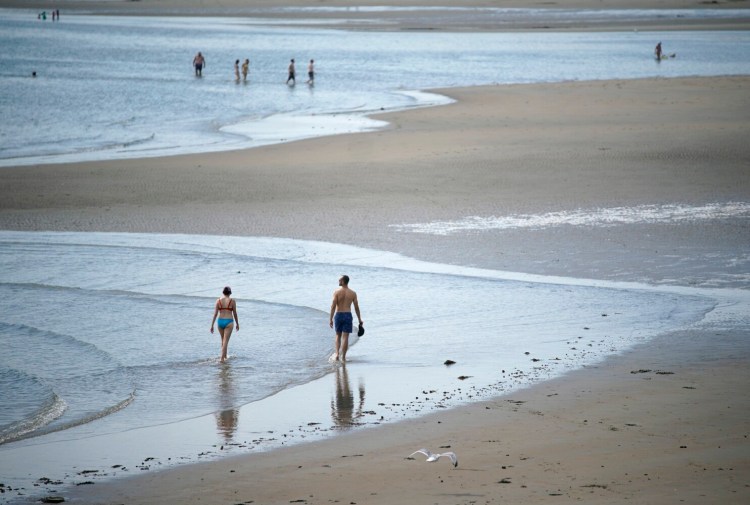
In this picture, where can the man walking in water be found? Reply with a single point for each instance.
(291, 73)
(311, 73)
(199, 62)
(341, 316)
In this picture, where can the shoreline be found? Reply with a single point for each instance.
(304, 423)
(686, 354)
(615, 431)
(496, 151)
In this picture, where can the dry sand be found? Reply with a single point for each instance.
(601, 435)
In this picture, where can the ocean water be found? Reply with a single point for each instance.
(602, 217)
(112, 87)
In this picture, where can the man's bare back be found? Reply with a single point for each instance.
(343, 298)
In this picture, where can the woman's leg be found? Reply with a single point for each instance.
(225, 334)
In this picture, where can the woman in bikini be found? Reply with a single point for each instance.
(225, 309)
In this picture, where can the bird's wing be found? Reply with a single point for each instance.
(421, 451)
(452, 456)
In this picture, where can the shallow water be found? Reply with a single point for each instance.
(117, 324)
(111, 87)
(604, 217)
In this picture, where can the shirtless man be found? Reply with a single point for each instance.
(291, 73)
(341, 315)
(245, 68)
(311, 72)
(199, 62)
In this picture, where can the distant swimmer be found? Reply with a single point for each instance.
(226, 310)
(245, 68)
(291, 73)
(341, 317)
(237, 70)
(311, 72)
(199, 62)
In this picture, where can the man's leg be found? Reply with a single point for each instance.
(344, 345)
(336, 344)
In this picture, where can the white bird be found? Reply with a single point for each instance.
(431, 458)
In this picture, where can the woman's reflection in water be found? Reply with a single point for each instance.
(342, 405)
(227, 415)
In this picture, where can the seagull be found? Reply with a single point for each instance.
(431, 458)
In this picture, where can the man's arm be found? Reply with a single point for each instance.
(356, 309)
(333, 310)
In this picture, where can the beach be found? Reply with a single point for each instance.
(600, 433)
(665, 422)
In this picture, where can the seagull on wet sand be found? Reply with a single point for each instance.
(431, 458)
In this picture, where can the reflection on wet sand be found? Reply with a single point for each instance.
(342, 405)
(227, 416)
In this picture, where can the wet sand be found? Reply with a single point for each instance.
(498, 151)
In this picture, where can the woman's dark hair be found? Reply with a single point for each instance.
(227, 291)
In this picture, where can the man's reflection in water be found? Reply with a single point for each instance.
(226, 417)
(342, 405)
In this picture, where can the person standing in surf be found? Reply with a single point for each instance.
(341, 317)
(226, 310)
(292, 73)
(311, 73)
(245, 68)
(199, 62)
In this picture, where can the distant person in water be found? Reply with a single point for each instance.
(657, 51)
(237, 70)
(341, 317)
(291, 73)
(245, 68)
(311, 72)
(226, 310)
(199, 62)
